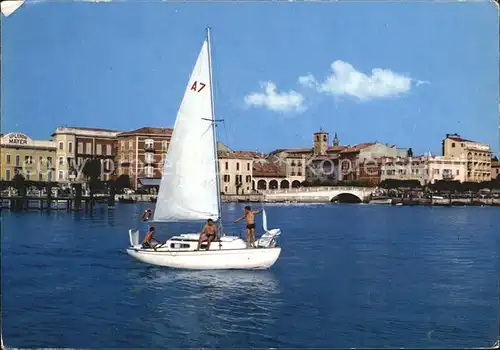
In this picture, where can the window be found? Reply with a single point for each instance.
(149, 144)
(88, 148)
(237, 166)
(40, 176)
(49, 176)
(28, 174)
(49, 162)
(7, 158)
(324, 138)
(80, 147)
(299, 173)
(70, 147)
(28, 160)
(7, 174)
(18, 160)
(458, 172)
(239, 179)
(61, 145)
(61, 175)
(61, 160)
(131, 144)
(108, 149)
(164, 145)
(98, 149)
(122, 144)
(227, 178)
(453, 145)
(40, 161)
(227, 165)
(248, 166)
(225, 189)
(249, 178)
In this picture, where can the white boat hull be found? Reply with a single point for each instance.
(245, 258)
(229, 252)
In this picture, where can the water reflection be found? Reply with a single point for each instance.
(213, 305)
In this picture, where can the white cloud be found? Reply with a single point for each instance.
(290, 101)
(345, 80)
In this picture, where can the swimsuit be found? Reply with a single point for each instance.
(250, 226)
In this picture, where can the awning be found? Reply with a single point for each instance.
(149, 182)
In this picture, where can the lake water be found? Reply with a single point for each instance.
(348, 276)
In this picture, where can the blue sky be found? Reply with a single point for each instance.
(403, 73)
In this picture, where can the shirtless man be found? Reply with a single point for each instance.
(208, 233)
(250, 219)
(150, 237)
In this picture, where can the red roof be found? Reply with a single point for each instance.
(148, 131)
(267, 169)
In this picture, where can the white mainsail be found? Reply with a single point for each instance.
(8, 7)
(189, 185)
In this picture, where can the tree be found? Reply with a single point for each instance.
(19, 183)
(122, 182)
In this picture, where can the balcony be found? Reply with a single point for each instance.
(149, 147)
(148, 159)
(448, 176)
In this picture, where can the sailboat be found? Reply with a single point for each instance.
(190, 190)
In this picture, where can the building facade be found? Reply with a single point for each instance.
(141, 153)
(34, 159)
(405, 168)
(75, 145)
(235, 169)
(477, 154)
(495, 169)
(425, 169)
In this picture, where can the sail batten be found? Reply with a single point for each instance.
(189, 188)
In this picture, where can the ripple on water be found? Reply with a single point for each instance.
(348, 276)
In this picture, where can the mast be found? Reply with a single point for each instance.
(216, 156)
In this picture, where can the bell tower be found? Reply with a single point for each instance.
(335, 140)
(320, 142)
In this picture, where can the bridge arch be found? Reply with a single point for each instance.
(273, 185)
(285, 184)
(346, 197)
(295, 184)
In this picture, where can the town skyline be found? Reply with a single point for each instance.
(427, 80)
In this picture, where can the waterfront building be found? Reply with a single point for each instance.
(75, 145)
(141, 154)
(270, 175)
(335, 162)
(495, 169)
(425, 169)
(477, 154)
(20, 154)
(447, 168)
(235, 169)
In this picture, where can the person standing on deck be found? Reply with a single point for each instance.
(249, 216)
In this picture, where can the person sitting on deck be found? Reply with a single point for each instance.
(208, 233)
(150, 237)
(249, 216)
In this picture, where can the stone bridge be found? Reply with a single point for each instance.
(320, 194)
